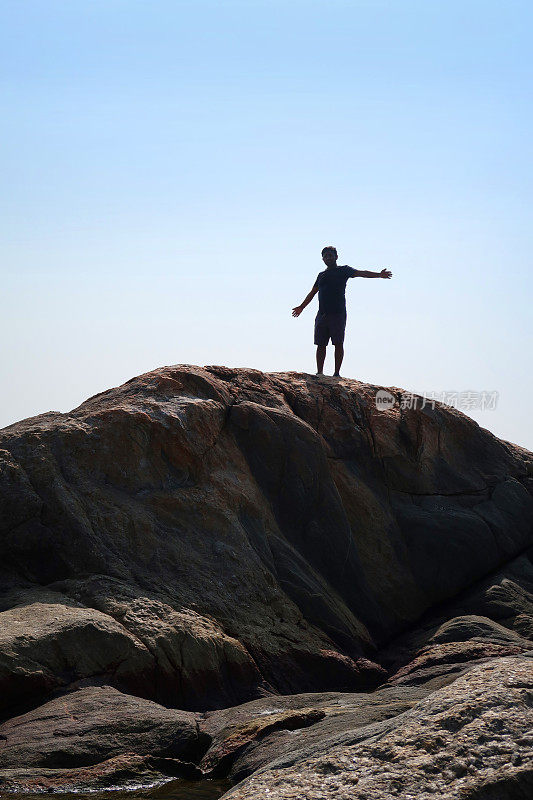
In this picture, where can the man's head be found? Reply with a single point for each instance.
(329, 256)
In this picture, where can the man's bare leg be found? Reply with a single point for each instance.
(339, 355)
(320, 358)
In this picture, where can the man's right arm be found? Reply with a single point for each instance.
(297, 310)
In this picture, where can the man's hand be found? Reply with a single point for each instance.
(296, 311)
(385, 273)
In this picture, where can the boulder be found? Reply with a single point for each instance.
(492, 618)
(250, 736)
(471, 739)
(95, 723)
(49, 643)
(248, 532)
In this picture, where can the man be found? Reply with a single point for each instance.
(330, 320)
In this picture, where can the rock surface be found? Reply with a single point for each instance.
(471, 739)
(252, 735)
(45, 645)
(215, 540)
(92, 724)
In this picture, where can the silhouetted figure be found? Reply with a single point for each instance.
(330, 321)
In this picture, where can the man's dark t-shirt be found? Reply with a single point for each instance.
(331, 284)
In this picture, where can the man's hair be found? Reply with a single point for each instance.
(328, 248)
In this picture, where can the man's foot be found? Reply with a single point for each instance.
(336, 375)
(319, 374)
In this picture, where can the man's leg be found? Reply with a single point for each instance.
(320, 358)
(321, 341)
(339, 355)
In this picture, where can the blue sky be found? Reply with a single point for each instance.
(171, 171)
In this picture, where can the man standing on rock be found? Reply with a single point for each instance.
(330, 321)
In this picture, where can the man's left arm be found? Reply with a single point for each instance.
(366, 273)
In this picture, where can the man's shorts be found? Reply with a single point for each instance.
(329, 326)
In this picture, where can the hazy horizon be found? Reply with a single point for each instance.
(172, 171)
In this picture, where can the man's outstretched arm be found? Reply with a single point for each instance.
(366, 273)
(297, 310)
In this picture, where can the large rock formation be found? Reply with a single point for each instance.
(200, 538)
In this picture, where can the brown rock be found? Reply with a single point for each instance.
(129, 772)
(204, 537)
(254, 532)
(93, 724)
(444, 645)
(46, 645)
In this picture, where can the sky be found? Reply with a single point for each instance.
(171, 171)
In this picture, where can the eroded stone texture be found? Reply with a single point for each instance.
(52, 642)
(471, 739)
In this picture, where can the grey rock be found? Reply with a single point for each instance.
(469, 739)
